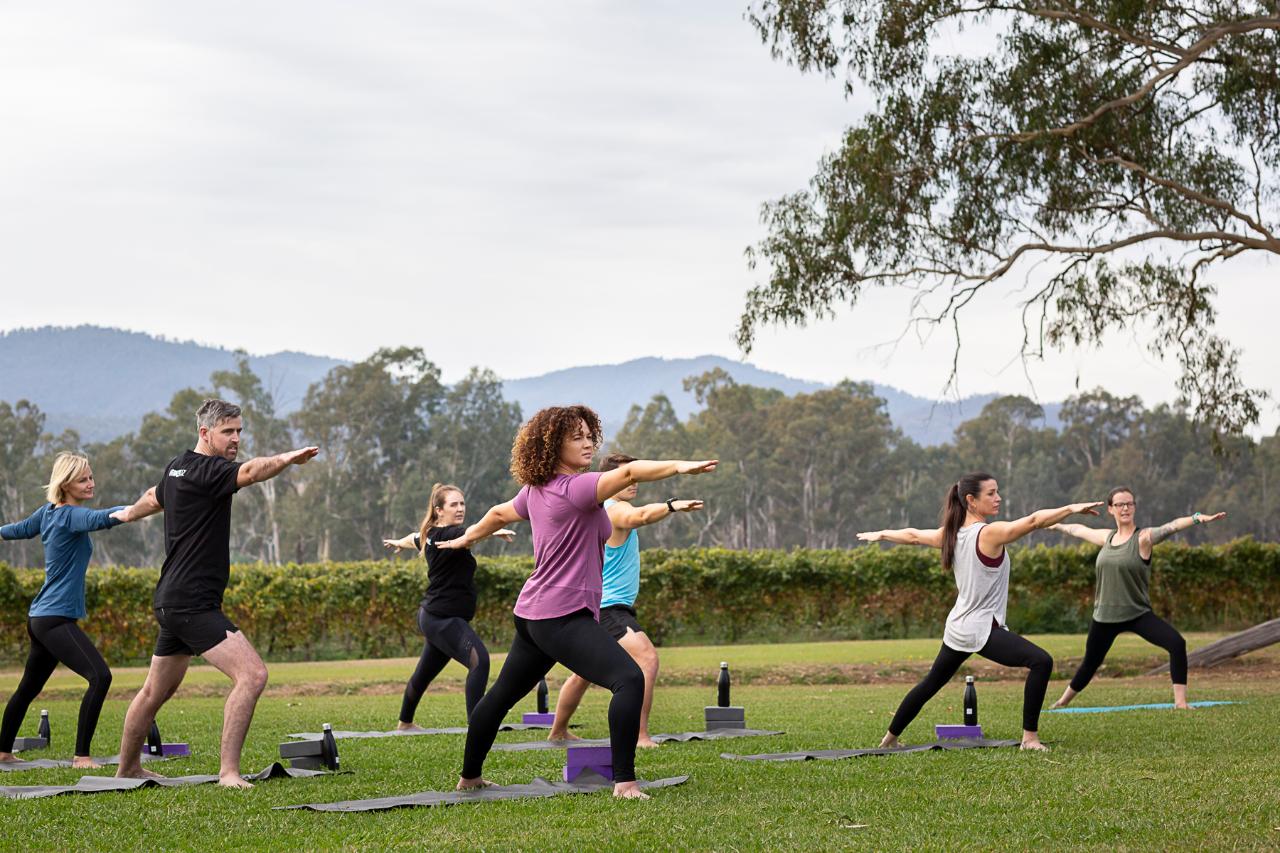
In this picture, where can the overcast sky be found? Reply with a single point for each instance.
(523, 186)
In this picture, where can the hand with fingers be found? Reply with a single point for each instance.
(301, 456)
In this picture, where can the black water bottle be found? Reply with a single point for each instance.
(542, 696)
(155, 746)
(970, 702)
(722, 686)
(328, 748)
(44, 727)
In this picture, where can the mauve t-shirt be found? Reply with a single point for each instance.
(569, 532)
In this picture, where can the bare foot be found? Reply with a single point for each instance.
(473, 784)
(409, 727)
(137, 773)
(84, 762)
(646, 742)
(890, 741)
(1182, 707)
(629, 791)
(1033, 744)
(234, 780)
(9, 756)
(557, 737)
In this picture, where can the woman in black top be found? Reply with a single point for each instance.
(446, 611)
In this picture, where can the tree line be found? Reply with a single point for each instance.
(807, 470)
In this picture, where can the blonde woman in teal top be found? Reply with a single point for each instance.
(63, 526)
(1121, 599)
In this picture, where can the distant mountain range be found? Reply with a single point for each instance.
(102, 381)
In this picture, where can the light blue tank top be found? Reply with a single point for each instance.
(621, 571)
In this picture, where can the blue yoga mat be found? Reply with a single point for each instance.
(1107, 708)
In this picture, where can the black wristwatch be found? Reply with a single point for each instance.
(670, 505)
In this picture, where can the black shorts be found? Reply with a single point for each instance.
(617, 618)
(190, 633)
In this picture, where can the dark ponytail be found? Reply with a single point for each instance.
(954, 511)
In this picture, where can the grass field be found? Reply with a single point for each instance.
(1136, 780)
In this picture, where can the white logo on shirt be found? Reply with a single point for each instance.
(178, 472)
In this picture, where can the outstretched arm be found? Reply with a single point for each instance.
(905, 536)
(1149, 536)
(266, 467)
(645, 471)
(997, 534)
(28, 528)
(145, 505)
(403, 544)
(624, 516)
(490, 525)
(1092, 535)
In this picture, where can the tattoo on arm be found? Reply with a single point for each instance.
(1159, 534)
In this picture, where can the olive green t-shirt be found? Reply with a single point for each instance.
(1122, 581)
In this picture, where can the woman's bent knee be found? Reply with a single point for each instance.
(630, 681)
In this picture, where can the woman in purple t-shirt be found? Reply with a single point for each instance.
(558, 609)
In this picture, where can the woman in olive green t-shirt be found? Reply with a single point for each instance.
(1121, 602)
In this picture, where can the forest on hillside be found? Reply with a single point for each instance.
(804, 470)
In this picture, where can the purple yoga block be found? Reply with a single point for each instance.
(957, 732)
(596, 758)
(170, 749)
(533, 718)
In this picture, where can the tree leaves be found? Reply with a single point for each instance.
(1105, 153)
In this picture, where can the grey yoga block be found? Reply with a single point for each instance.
(733, 713)
(21, 743)
(712, 725)
(302, 749)
(307, 762)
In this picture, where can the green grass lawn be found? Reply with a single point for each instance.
(836, 662)
(1136, 780)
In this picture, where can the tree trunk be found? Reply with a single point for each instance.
(1244, 642)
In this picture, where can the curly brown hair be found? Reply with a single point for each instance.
(536, 451)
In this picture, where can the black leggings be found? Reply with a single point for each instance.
(54, 640)
(578, 642)
(448, 638)
(1149, 627)
(1005, 648)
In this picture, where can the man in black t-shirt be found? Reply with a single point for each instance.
(195, 494)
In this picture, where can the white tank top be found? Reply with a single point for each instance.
(983, 584)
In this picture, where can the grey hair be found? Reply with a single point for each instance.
(213, 412)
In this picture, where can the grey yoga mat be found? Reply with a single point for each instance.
(587, 783)
(101, 784)
(966, 743)
(452, 730)
(682, 737)
(50, 763)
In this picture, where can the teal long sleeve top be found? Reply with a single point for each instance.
(64, 531)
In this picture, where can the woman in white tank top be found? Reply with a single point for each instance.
(974, 550)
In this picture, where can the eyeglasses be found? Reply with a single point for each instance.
(1124, 504)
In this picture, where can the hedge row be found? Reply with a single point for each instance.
(367, 609)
